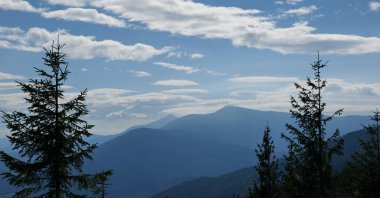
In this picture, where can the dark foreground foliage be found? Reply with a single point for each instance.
(49, 137)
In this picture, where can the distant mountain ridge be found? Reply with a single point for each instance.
(147, 161)
(242, 126)
(239, 181)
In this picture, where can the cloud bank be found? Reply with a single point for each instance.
(78, 46)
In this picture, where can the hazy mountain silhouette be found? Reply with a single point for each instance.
(146, 161)
(239, 181)
(242, 126)
(155, 124)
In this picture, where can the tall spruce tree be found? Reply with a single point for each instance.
(267, 185)
(308, 168)
(102, 184)
(49, 137)
(365, 165)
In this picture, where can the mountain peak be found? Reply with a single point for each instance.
(232, 109)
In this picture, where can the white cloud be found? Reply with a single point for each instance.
(12, 101)
(215, 73)
(176, 54)
(244, 93)
(115, 114)
(187, 69)
(294, 2)
(117, 106)
(108, 92)
(301, 11)
(196, 56)
(72, 3)
(8, 86)
(176, 83)
(290, 2)
(78, 47)
(140, 73)
(85, 15)
(84, 69)
(19, 5)
(263, 79)
(244, 27)
(7, 76)
(185, 91)
(279, 2)
(337, 88)
(374, 6)
(69, 14)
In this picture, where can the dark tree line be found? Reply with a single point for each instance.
(49, 137)
(307, 171)
(267, 169)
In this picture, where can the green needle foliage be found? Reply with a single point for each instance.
(308, 169)
(267, 168)
(49, 138)
(102, 183)
(365, 166)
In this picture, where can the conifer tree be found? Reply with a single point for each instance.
(308, 167)
(267, 169)
(102, 183)
(365, 166)
(49, 137)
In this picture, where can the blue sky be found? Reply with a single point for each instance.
(143, 59)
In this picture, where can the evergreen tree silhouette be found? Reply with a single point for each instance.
(365, 165)
(308, 169)
(102, 183)
(49, 137)
(267, 169)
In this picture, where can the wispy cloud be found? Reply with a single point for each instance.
(196, 56)
(118, 104)
(78, 46)
(73, 3)
(7, 86)
(215, 73)
(140, 73)
(263, 79)
(185, 91)
(69, 14)
(301, 11)
(374, 6)
(7, 76)
(85, 15)
(187, 69)
(294, 2)
(290, 2)
(19, 5)
(244, 27)
(176, 83)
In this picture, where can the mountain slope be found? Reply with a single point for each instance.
(239, 181)
(225, 186)
(146, 161)
(158, 124)
(241, 126)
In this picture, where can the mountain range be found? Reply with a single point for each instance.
(238, 182)
(147, 160)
